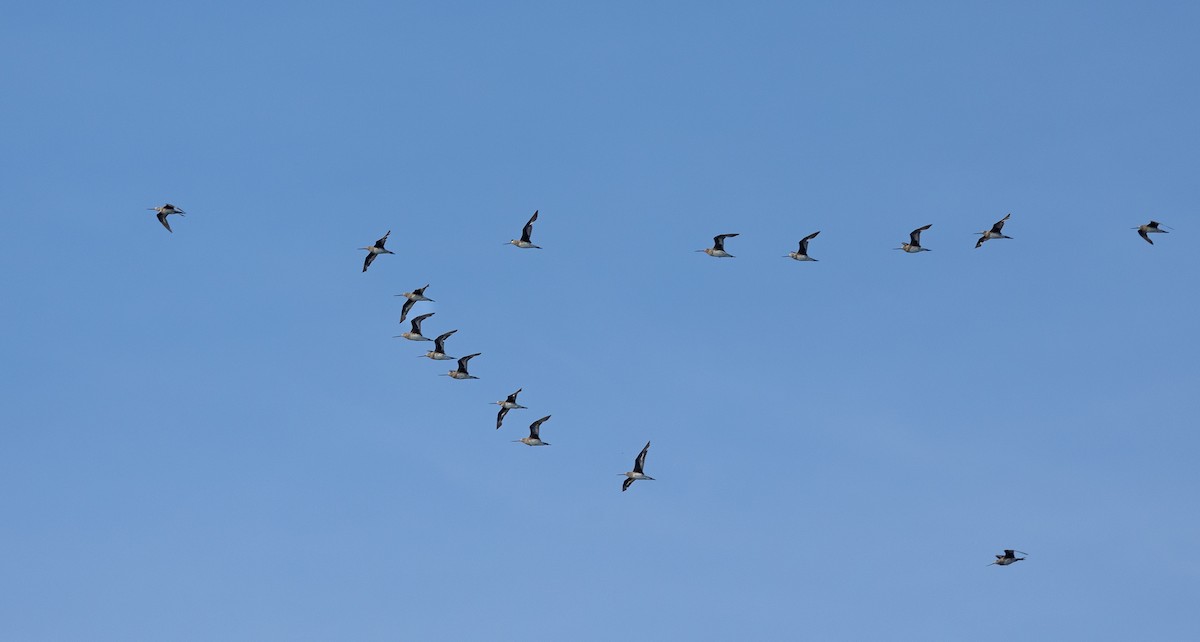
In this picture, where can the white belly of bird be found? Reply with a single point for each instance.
(530, 441)
(720, 254)
(459, 375)
(801, 257)
(412, 336)
(439, 356)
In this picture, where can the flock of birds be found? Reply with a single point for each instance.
(438, 353)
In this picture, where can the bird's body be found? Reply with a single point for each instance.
(534, 439)
(1009, 557)
(718, 248)
(375, 250)
(414, 334)
(914, 241)
(461, 372)
(801, 254)
(509, 403)
(637, 472)
(994, 233)
(1144, 231)
(439, 348)
(165, 210)
(526, 232)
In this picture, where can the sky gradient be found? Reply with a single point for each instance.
(212, 434)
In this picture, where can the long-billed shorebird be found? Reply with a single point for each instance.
(718, 248)
(802, 253)
(375, 250)
(636, 473)
(526, 232)
(439, 348)
(417, 294)
(1009, 557)
(914, 241)
(415, 333)
(510, 403)
(461, 372)
(1144, 231)
(533, 439)
(994, 233)
(165, 210)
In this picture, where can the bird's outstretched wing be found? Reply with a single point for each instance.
(527, 231)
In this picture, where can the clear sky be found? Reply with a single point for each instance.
(212, 435)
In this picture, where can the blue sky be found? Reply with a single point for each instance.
(212, 435)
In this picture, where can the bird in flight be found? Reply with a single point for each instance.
(375, 250)
(510, 403)
(1008, 557)
(415, 333)
(914, 241)
(718, 248)
(636, 473)
(165, 210)
(526, 232)
(439, 348)
(533, 439)
(461, 372)
(411, 298)
(1144, 231)
(993, 233)
(802, 253)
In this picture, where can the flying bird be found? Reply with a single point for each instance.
(718, 248)
(375, 250)
(439, 348)
(1008, 558)
(415, 333)
(914, 238)
(802, 253)
(636, 473)
(461, 372)
(411, 299)
(533, 439)
(524, 243)
(993, 233)
(417, 294)
(1144, 231)
(507, 404)
(165, 210)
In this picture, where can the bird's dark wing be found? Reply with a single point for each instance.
(162, 218)
(513, 397)
(1008, 552)
(439, 344)
(420, 291)
(804, 242)
(1141, 233)
(416, 322)
(462, 363)
(536, 427)
(527, 231)
(370, 258)
(626, 484)
(500, 417)
(641, 459)
(380, 242)
(408, 304)
(1000, 224)
(719, 241)
(1153, 225)
(980, 241)
(915, 236)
